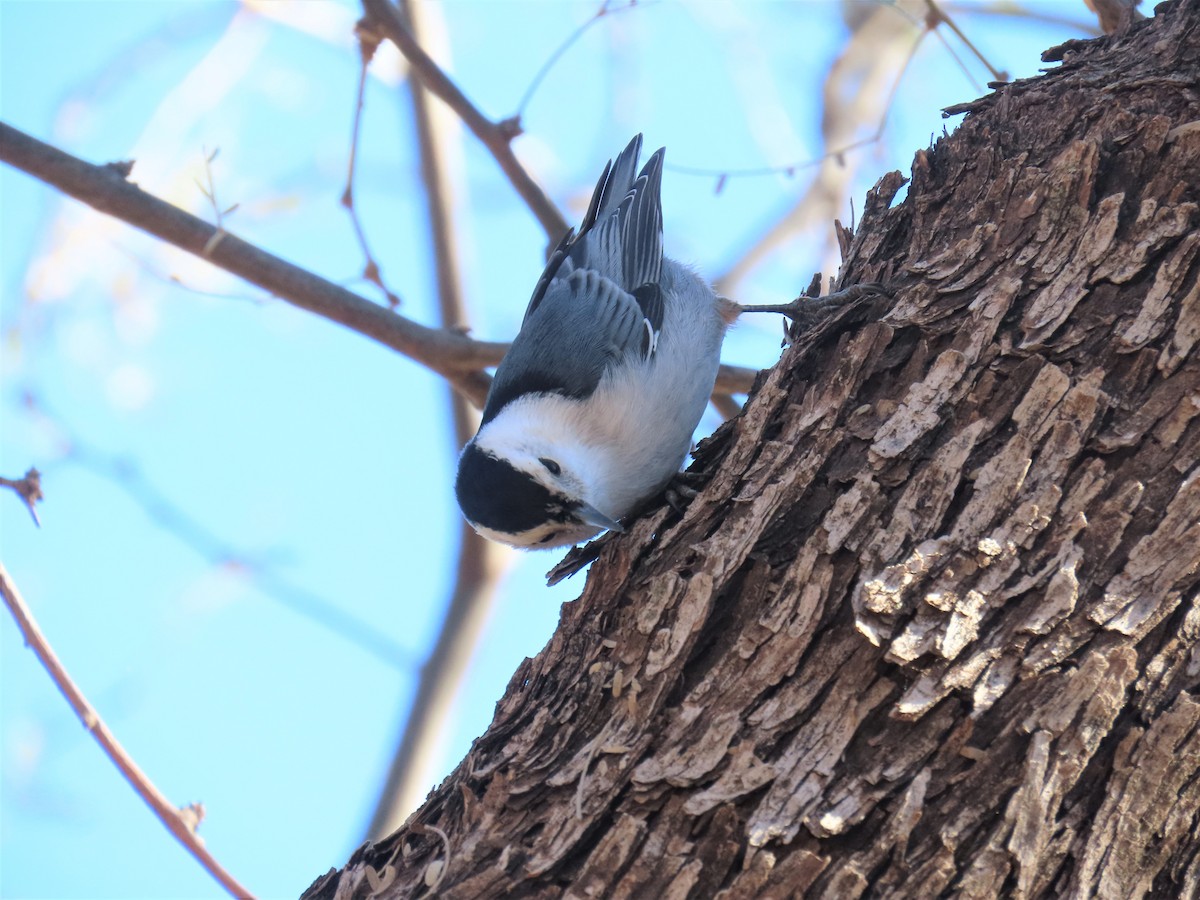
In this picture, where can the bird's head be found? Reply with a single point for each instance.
(527, 496)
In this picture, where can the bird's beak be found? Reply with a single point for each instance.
(589, 515)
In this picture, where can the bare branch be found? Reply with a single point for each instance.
(480, 563)
(452, 355)
(726, 406)
(937, 15)
(368, 43)
(496, 136)
(181, 822)
(448, 352)
(536, 82)
(29, 489)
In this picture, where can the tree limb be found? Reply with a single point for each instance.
(496, 136)
(180, 822)
(456, 357)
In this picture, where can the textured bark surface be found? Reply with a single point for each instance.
(933, 627)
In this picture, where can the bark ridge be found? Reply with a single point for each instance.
(933, 627)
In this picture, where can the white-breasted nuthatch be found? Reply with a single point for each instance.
(592, 409)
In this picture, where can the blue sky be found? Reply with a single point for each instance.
(188, 426)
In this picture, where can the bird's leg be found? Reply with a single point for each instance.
(807, 311)
(683, 488)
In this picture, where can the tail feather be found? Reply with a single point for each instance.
(621, 235)
(615, 182)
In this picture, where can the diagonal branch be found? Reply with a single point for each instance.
(368, 43)
(496, 136)
(180, 822)
(456, 357)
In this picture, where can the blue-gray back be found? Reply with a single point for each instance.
(599, 302)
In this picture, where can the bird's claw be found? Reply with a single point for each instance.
(683, 488)
(805, 312)
(808, 311)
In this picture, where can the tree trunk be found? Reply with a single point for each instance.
(933, 626)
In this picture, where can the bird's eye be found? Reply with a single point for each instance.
(551, 466)
(551, 536)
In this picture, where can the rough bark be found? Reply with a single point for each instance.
(933, 627)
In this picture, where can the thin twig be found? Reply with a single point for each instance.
(496, 136)
(209, 189)
(29, 489)
(1008, 9)
(605, 10)
(172, 280)
(937, 15)
(179, 821)
(787, 169)
(823, 188)
(480, 563)
(368, 43)
(958, 61)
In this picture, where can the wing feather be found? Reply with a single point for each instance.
(598, 302)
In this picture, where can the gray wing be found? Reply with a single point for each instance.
(599, 301)
(621, 234)
(583, 325)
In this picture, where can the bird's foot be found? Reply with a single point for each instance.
(808, 311)
(683, 488)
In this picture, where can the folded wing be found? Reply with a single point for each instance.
(599, 302)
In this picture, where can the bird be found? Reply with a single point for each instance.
(592, 409)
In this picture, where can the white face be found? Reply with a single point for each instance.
(556, 466)
(560, 482)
